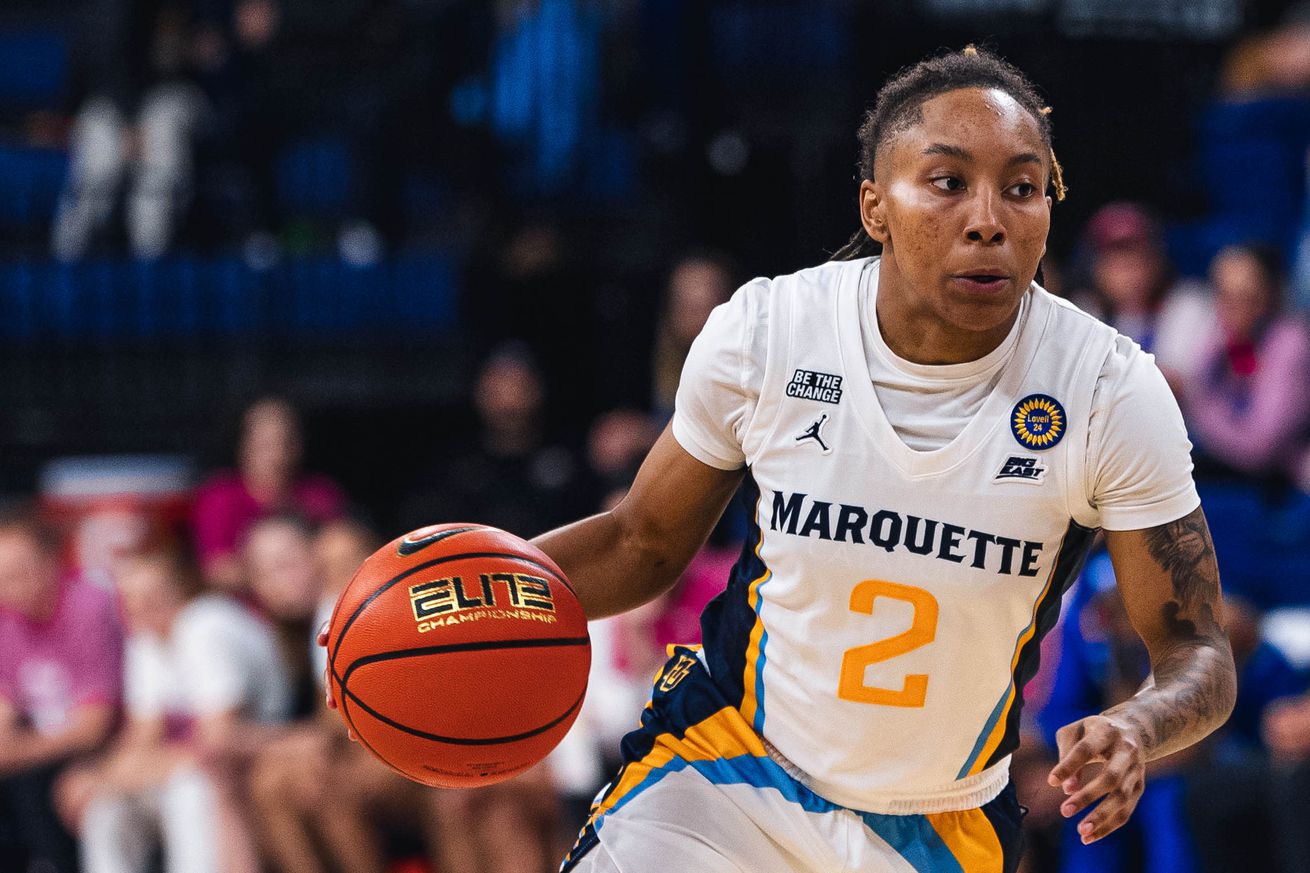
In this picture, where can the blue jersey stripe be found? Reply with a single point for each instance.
(986, 732)
(914, 839)
(759, 661)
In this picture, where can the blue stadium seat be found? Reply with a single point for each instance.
(318, 298)
(1252, 159)
(315, 177)
(30, 181)
(1263, 547)
(33, 69)
(783, 43)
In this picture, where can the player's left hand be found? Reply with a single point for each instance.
(1118, 785)
(322, 640)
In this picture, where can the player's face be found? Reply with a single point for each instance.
(960, 207)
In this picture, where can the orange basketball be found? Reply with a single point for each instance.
(459, 655)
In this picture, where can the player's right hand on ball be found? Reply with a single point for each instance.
(1118, 747)
(322, 640)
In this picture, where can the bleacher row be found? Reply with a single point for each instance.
(1263, 544)
(186, 298)
(1251, 161)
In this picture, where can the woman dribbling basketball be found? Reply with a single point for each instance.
(931, 442)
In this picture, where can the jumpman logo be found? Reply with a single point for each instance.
(812, 433)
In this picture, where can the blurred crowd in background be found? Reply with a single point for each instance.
(372, 265)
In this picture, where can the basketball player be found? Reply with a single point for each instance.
(931, 442)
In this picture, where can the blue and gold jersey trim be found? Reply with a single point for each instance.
(690, 725)
(732, 626)
(1000, 735)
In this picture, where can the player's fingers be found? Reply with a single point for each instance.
(322, 636)
(1109, 815)
(1091, 747)
(1121, 772)
(1065, 739)
(327, 685)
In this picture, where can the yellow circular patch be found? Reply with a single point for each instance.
(1038, 422)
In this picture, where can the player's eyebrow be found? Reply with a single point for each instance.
(941, 148)
(951, 151)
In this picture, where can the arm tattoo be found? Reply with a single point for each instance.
(1193, 681)
(1183, 548)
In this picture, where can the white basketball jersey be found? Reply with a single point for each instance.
(889, 605)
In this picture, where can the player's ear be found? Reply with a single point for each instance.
(872, 212)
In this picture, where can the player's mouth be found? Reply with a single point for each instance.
(981, 282)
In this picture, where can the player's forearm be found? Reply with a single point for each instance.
(1190, 694)
(1173, 593)
(612, 567)
(628, 556)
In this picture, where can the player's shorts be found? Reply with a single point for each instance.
(699, 793)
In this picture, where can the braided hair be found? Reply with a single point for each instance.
(899, 107)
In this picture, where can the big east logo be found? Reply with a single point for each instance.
(451, 600)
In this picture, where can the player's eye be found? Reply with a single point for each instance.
(948, 183)
(1023, 189)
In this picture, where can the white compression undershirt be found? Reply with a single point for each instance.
(929, 405)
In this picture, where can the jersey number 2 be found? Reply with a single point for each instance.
(922, 630)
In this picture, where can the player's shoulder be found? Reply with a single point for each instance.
(819, 279)
(1076, 331)
(801, 288)
(1125, 370)
(1067, 319)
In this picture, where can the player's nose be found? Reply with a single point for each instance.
(984, 224)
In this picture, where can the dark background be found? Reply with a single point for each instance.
(543, 164)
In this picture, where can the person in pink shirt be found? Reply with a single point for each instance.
(1249, 408)
(60, 681)
(267, 481)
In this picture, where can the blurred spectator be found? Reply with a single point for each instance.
(699, 282)
(60, 656)
(104, 535)
(1249, 405)
(616, 445)
(1189, 816)
(286, 585)
(340, 546)
(267, 481)
(1128, 283)
(1301, 267)
(320, 800)
(1234, 802)
(1287, 732)
(513, 479)
(139, 122)
(204, 688)
(703, 580)
(531, 284)
(509, 827)
(325, 71)
(1103, 662)
(1272, 62)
